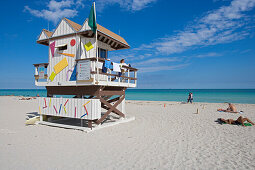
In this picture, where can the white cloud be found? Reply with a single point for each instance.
(54, 5)
(161, 68)
(157, 61)
(224, 25)
(131, 5)
(140, 4)
(57, 10)
(80, 3)
(212, 54)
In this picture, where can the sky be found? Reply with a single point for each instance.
(184, 44)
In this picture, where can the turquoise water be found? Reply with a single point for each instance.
(199, 95)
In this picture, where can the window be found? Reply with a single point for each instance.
(102, 53)
(61, 47)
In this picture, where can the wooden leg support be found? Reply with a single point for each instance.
(111, 108)
(90, 124)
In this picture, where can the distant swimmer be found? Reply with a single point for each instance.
(231, 108)
(239, 121)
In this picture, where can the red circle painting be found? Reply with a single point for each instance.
(72, 42)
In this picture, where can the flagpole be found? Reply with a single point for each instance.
(96, 48)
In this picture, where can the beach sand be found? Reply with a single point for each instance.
(170, 137)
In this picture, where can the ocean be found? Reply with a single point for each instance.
(200, 95)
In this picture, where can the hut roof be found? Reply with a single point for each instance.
(48, 33)
(75, 26)
(110, 33)
(100, 28)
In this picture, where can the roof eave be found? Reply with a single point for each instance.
(43, 42)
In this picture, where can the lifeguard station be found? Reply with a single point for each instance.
(76, 66)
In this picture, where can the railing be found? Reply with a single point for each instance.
(37, 76)
(129, 76)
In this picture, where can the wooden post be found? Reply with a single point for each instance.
(128, 76)
(135, 77)
(90, 124)
(123, 106)
(81, 122)
(36, 73)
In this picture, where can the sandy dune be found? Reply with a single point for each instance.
(171, 137)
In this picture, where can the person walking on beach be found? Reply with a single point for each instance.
(190, 98)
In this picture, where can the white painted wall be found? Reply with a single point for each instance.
(93, 107)
(62, 76)
(62, 29)
(88, 54)
(85, 26)
(42, 36)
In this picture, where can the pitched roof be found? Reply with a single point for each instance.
(100, 28)
(111, 34)
(76, 26)
(48, 33)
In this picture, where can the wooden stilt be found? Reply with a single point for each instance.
(111, 108)
(90, 124)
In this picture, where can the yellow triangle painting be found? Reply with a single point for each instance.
(67, 54)
(88, 46)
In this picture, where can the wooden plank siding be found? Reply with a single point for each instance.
(93, 107)
(62, 76)
(87, 54)
(63, 29)
(42, 36)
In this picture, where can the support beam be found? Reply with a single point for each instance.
(113, 100)
(109, 42)
(115, 46)
(107, 93)
(112, 108)
(90, 124)
(100, 38)
(90, 34)
(105, 39)
(72, 90)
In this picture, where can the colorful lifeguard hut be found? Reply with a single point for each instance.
(77, 66)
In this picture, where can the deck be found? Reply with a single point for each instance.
(96, 76)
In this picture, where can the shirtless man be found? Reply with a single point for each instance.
(231, 108)
(239, 121)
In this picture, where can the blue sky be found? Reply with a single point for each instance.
(175, 44)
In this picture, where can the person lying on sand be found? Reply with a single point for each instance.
(26, 98)
(239, 121)
(231, 108)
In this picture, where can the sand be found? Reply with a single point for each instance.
(170, 137)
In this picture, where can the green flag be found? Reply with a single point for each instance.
(92, 19)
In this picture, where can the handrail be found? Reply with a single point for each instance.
(45, 64)
(102, 60)
(109, 75)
